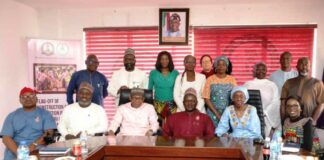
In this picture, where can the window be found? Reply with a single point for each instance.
(246, 46)
(109, 45)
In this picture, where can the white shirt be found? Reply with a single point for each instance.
(279, 77)
(270, 101)
(181, 87)
(135, 121)
(75, 119)
(135, 79)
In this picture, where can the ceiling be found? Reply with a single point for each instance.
(46, 4)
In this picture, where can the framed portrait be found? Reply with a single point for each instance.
(52, 78)
(173, 26)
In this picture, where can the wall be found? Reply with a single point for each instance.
(17, 22)
(68, 23)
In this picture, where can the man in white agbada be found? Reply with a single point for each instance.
(82, 116)
(269, 96)
(280, 76)
(127, 77)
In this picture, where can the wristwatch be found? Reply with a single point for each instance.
(35, 144)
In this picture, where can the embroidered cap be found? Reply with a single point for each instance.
(129, 51)
(86, 85)
(191, 91)
(175, 16)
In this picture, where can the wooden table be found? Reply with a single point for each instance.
(143, 147)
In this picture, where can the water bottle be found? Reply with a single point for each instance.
(275, 146)
(83, 141)
(279, 147)
(22, 151)
(266, 149)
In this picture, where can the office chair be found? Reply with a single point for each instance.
(124, 96)
(256, 101)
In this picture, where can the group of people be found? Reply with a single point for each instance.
(188, 105)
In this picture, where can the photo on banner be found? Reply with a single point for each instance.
(53, 78)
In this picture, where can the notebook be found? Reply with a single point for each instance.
(54, 150)
(291, 147)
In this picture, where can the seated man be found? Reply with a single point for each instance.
(189, 123)
(242, 117)
(29, 123)
(135, 118)
(82, 116)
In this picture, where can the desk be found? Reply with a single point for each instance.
(143, 147)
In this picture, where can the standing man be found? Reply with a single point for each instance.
(310, 90)
(127, 77)
(29, 123)
(83, 116)
(98, 81)
(280, 76)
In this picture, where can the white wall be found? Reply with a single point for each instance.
(17, 22)
(68, 23)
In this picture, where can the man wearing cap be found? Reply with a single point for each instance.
(135, 118)
(127, 77)
(189, 123)
(82, 116)
(29, 123)
(173, 30)
(98, 81)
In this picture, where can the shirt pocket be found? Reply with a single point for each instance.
(36, 124)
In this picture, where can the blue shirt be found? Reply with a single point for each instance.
(27, 126)
(247, 126)
(98, 81)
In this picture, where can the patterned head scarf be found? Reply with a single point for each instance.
(221, 58)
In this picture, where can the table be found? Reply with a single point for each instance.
(145, 147)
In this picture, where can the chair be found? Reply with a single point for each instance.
(124, 96)
(256, 101)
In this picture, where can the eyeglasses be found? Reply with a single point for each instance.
(28, 96)
(93, 62)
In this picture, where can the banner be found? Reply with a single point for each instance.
(51, 65)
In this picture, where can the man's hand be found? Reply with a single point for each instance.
(70, 136)
(149, 133)
(122, 87)
(111, 133)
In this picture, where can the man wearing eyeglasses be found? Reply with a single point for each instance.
(98, 81)
(29, 123)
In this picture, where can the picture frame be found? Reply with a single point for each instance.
(52, 78)
(173, 26)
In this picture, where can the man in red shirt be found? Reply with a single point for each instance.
(189, 123)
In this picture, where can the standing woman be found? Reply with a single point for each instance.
(162, 80)
(218, 88)
(189, 79)
(206, 63)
